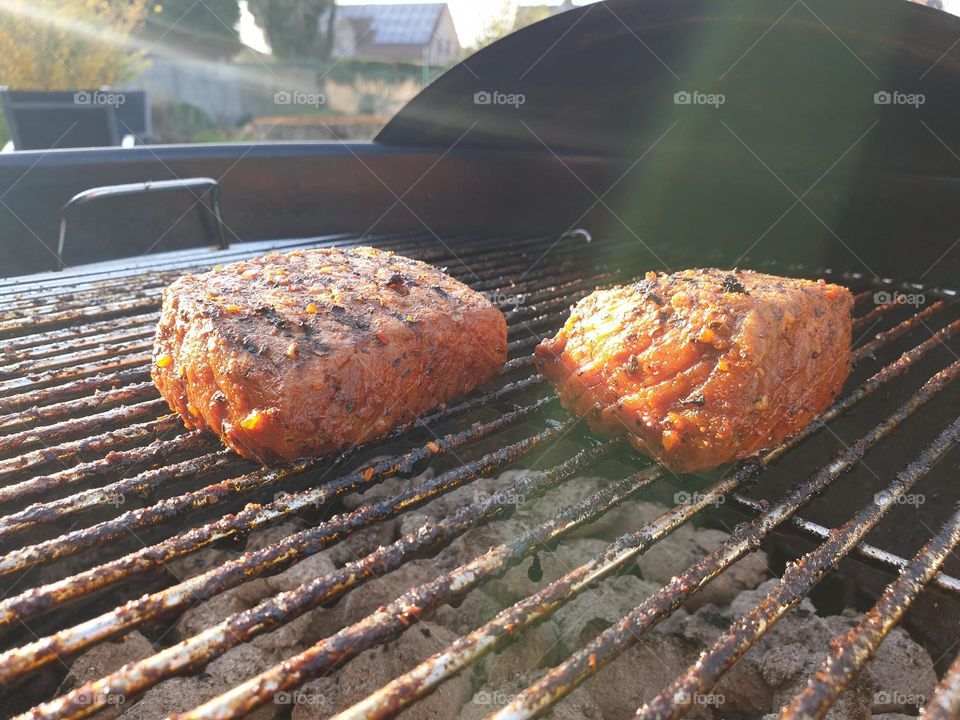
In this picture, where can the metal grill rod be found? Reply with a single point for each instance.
(482, 273)
(849, 652)
(537, 295)
(544, 603)
(134, 457)
(156, 453)
(797, 580)
(150, 285)
(428, 675)
(871, 554)
(31, 438)
(27, 390)
(15, 466)
(407, 609)
(945, 703)
(17, 662)
(284, 607)
(108, 530)
(71, 408)
(147, 266)
(746, 537)
(38, 599)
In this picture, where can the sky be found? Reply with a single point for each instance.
(469, 16)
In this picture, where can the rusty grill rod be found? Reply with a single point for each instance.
(53, 433)
(882, 338)
(486, 275)
(58, 410)
(15, 663)
(945, 703)
(13, 467)
(56, 340)
(42, 351)
(197, 439)
(149, 266)
(423, 679)
(101, 533)
(850, 651)
(746, 537)
(73, 388)
(488, 267)
(159, 266)
(49, 413)
(798, 579)
(535, 294)
(156, 453)
(104, 351)
(864, 551)
(272, 612)
(395, 617)
(512, 620)
(25, 387)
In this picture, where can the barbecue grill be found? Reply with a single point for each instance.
(594, 179)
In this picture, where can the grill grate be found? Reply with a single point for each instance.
(82, 430)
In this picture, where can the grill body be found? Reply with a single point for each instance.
(103, 490)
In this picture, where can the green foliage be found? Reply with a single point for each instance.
(208, 26)
(62, 44)
(293, 27)
(176, 122)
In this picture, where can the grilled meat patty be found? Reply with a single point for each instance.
(314, 351)
(702, 367)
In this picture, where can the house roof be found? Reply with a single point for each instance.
(405, 24)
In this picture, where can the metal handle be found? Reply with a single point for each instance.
(210, 213)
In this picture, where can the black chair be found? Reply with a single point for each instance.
(40, 120)
(133, 116)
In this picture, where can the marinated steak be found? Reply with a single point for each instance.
(313, 351)
(702, 367)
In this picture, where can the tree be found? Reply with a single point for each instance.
(63, 44)
(497, 26)
(208, 27)
(296, 28)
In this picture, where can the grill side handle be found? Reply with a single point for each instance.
(205, 191)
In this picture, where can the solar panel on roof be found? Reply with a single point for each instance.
(410, 24)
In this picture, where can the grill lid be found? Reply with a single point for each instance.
(799, 80)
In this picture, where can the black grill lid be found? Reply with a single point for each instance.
(799, 78)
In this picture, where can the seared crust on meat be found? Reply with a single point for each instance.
(313, 351)
(701, 367)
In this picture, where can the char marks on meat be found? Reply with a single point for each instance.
(701, 367)
(313, 351)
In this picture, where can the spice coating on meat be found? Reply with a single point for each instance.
(701, 367)
(310, 352)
